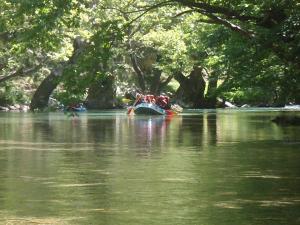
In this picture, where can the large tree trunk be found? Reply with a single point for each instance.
(296, 93)
(297, 99)
(211, 96)
(191, 90)
(101, 94)
(139, 72)
(42, 94)
(155, 82)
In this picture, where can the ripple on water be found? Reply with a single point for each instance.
(10, 220)
(78, 185)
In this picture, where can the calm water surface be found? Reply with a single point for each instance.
(220, 167)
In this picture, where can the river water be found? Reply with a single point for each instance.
(221, 167)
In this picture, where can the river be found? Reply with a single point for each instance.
(204, 167)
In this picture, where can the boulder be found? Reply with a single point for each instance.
(17, 106)
(2, 108)
(245, 106)
(24, 108)
(229, 105)
(12, 108)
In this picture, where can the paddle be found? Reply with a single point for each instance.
(130, 110)
(169, 112)
(126, 100)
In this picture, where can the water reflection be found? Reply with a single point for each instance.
(147, 133)
(199, 130)
(215, 167)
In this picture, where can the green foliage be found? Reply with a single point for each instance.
(66, 98)
(10, 95)
(38, 23)
(252, 96)
(92, 63)
(263, 66)
(170, 46)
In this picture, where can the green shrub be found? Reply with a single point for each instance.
(9, 95)
(252, 96)
(67, 99)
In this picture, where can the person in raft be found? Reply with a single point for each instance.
(162, 101)
(144, 99)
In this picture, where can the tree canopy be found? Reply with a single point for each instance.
(241, 51)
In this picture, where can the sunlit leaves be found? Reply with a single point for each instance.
(42, 31)
(170, 46)
(92, 63)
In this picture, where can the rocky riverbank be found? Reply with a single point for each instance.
(15, 108)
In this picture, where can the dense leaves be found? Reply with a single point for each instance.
(248, 51)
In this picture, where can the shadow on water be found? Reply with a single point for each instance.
(198, 130)
(43, 130)
(101, 130)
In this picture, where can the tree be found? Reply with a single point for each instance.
(156, 45)
(270, 25)
(29, 30)
(41, 96)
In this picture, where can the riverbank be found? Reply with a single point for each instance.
(26, 108)
(15, 108)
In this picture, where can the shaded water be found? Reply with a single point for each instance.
(203, 167)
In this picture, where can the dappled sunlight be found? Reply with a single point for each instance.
(183, 180)
(275, 203)
(283, 202)
(240, 203)
(105, 210)
(258, 174)
(11, 142)
(23, 148)
(227, 205)
(262, 176)
(78, 185)
(35, 179)
(34, 220)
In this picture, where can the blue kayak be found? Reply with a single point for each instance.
(79, 109)
(76, 109)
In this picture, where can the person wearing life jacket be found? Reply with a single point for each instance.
(163, 101)
(139, 99)
(150, 99)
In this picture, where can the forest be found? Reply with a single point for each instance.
(199, 52)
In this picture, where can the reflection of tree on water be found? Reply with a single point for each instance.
(43, 130)
(198, 130)
(211, 128)
(191, 131)
(101, 130)
(3, 172)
